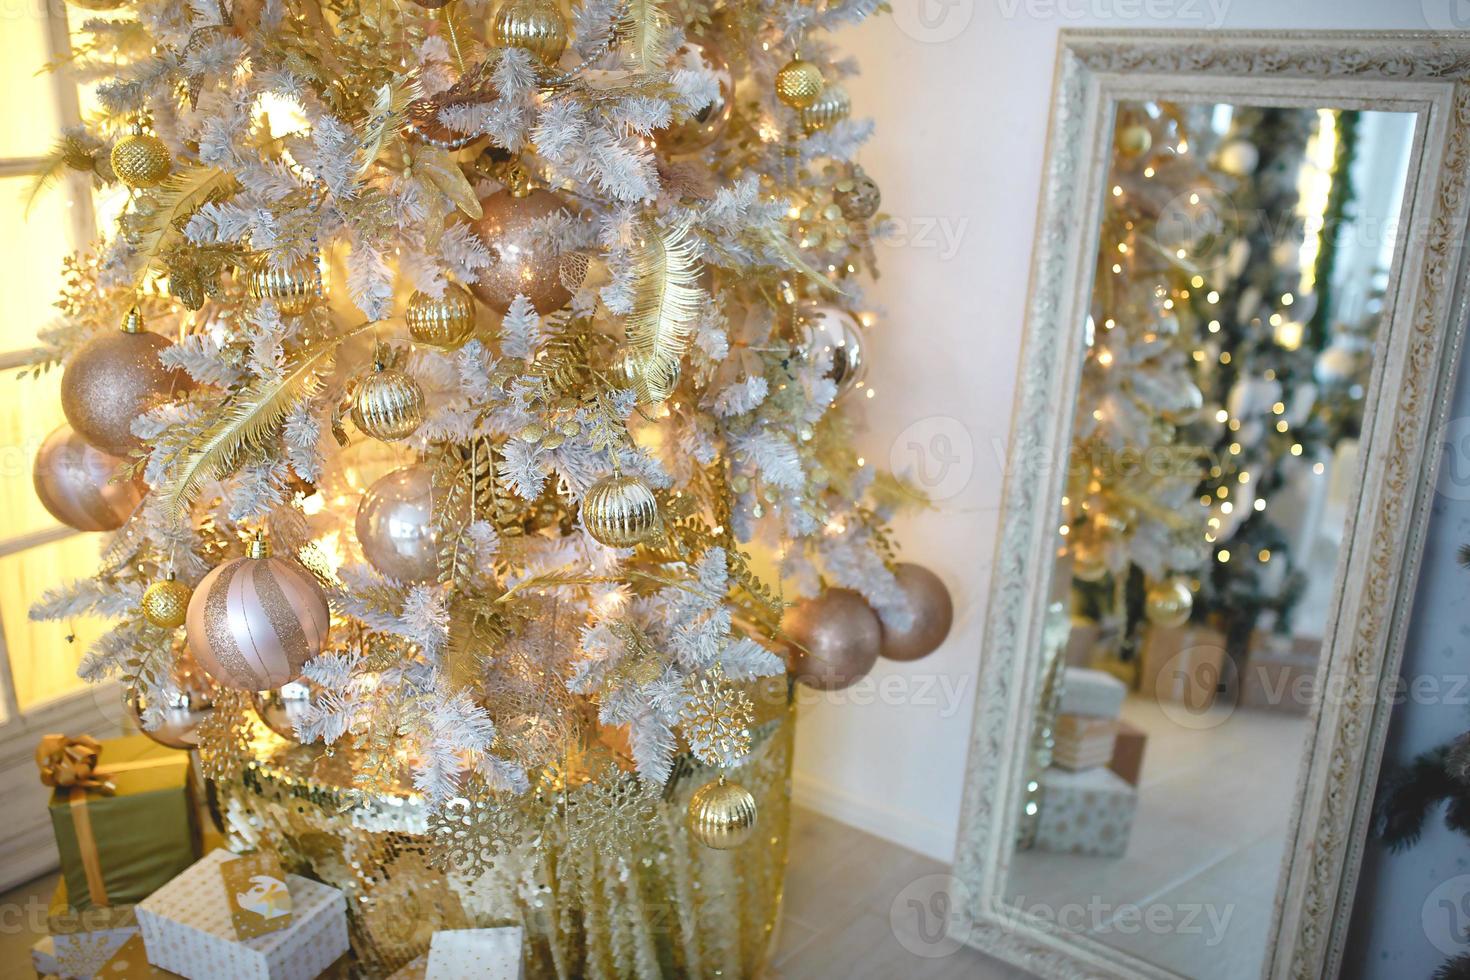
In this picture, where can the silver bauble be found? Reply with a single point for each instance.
(284, 708)
(187, 699)
(831, 330)
(395, 525)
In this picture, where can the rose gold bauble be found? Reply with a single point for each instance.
(254, 622)
(112, 380)
(705, 126)
(839, 637)
(284, 708)
(188, 698)
(74, 481)
(933, 615)
(395, 525)
(519, 267)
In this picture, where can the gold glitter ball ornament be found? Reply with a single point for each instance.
(141, 160)
(535, 25)
(445, 322)
(388, 404)
(293, 288)
(799, 83)
(620, 512)
(857, 196)
(1134, 140)
(113, 379)
(166, 602)
(832, 106)
(1169, 603)
(722, 815)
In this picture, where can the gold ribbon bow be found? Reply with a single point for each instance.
(71, 763)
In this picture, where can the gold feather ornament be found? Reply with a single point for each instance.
(388, 404)
(666, 301)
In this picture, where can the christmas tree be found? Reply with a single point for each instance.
(484, 371)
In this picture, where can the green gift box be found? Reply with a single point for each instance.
(118, 848)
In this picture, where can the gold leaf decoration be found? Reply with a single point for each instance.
(251, 420)
(438, 168)
(666, 301)
(171, 204)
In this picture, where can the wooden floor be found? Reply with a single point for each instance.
(839, 923)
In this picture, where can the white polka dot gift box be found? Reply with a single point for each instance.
(187, 929)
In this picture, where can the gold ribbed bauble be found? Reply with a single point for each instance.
(388, 404)
(520, 267)
(254, 622)
(141, 160)
(620, 512)
(705, 126)
(536, 25)
(293, 288)
(444, 322)
(933, 611)
(113, 379)
(1168, 603)
(166, 602)
(75, 482)
(857, 196)
(722, 814)
(799, 83)
(831, 106)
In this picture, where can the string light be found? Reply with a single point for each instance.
(1265, 554)
(1224, 557)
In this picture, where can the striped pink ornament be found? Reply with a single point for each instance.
(254, 622)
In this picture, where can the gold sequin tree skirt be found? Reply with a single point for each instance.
(600, 872)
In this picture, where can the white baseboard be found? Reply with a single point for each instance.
(902, 828)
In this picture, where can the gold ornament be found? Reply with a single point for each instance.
(388, 404)
(186, 699)
(1089, 559)
(722, 815)
(505, 225)
(166, 602)
(141, 160)
(705, 126)
(799, 83)
(112, 380)
(620, 512)
(283, 709)
(293, 288)
(536, 25)
(831, 106)
(716, 720)
(1133, 140)
(933, 611)
(1169, 603)
(444, 322)
(857, 196)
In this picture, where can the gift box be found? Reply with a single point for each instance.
(489, 954)
(1187, 665)
(129, 827)
(130, 962)
(1094, 693)
(83, 939)
(1128, 748)
(187, 928)
(1280, 674)
(1088, 812)
(1084, 742)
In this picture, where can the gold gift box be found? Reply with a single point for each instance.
(117, 849)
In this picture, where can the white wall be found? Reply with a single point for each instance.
(961, 91)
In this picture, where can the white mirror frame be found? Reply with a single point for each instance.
(1415, 356)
